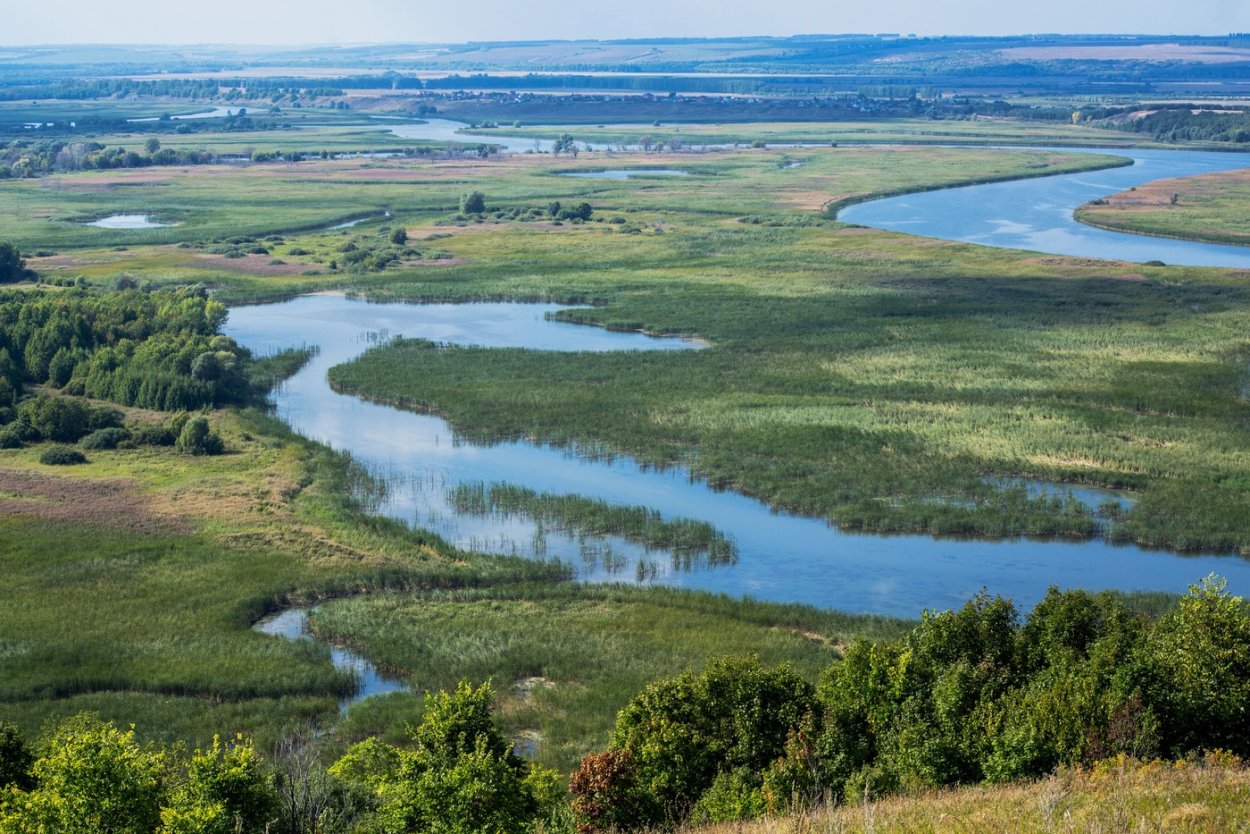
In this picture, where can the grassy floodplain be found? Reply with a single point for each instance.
(909, 131)
(566, 659)
(861, 374)
(1214, 208)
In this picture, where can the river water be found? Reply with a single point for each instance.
(781, 557)
(1036, 214)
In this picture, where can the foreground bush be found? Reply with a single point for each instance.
(969, 696)
(91, 777)
(197, 439)
(62, 456)
(459, 777)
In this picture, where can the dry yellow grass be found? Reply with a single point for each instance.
(1208, 797)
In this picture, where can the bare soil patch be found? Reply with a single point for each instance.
(105, 502)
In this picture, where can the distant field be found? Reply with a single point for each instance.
(1213, 207)
(1203, 54)
(911, 131)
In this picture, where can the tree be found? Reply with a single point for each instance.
(226, 790)
(565, 143)
(12, 267)
(91, 777)
(473, 203)
(460, 776)
(197, 439)
(152, 145)
(15, 759)
(685, 731)
(1195, 671)
(399, 237)
(607, 794)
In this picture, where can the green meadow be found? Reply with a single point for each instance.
(872, 378)
(1211, 208)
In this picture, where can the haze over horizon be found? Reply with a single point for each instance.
(311, 22)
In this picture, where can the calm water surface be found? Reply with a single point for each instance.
(292, 624)
(1036, 214)
(781, 557)
(129, 221)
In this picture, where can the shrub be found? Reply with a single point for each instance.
(62, 456)
(196, 438)
(460, 776)
(686, 731)
(11, 437)
(473, 203)
(105, 438)
(63, 419)
(15, 758)
(608, 796)
(226, 790)
(153, 435)
(399, 237)
(91, 777)
(12, 267)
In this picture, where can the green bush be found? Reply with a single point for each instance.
(459, 777)
(196, 438)
(153, 435)
(105, 438)
(226, 790)
(91, 777)
(62, 456)
(687, 731)
(12, 267)
(63, 419)
(15, 759)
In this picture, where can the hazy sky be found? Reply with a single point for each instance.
(347, 21)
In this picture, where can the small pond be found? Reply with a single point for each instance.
(129, 221)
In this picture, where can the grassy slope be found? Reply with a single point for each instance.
(1212, 207)
(130, 583)
(1194, 798)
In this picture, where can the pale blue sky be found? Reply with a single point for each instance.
(348, 21)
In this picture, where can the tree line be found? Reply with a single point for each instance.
(981, 694)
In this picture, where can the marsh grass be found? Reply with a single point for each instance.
(684, 537)
(594, 646)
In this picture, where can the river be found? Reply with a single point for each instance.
(1036, 214)
(781, 557)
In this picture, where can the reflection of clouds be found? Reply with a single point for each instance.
(1037, 214)
(1010, 227)
(781, 557)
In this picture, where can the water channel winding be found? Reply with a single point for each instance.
(781, 557)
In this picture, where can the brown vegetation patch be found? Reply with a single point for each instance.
(106, 502)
